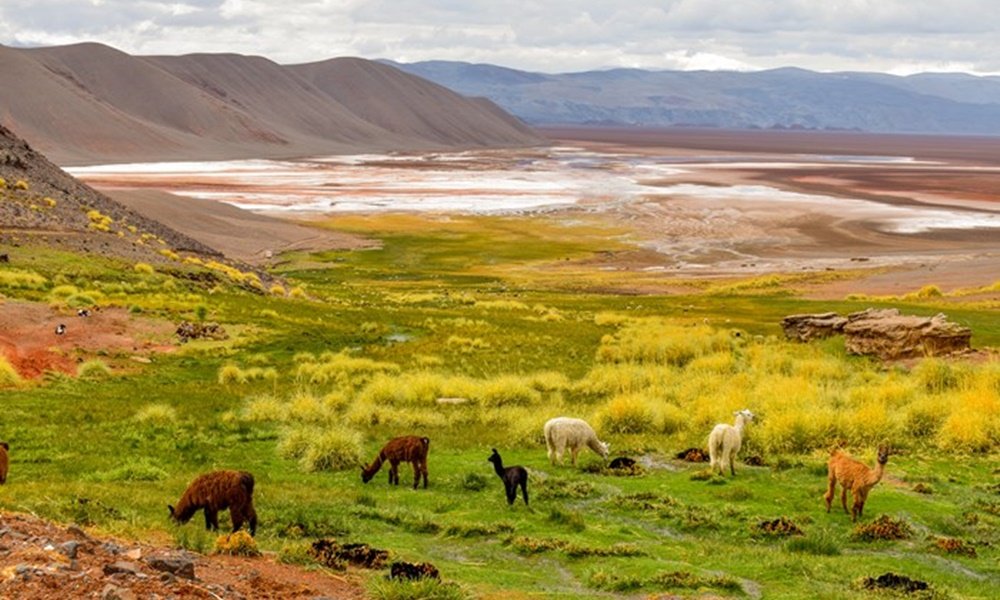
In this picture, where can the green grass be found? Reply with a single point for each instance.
(312, 384)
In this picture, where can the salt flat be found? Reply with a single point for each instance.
(709, 212)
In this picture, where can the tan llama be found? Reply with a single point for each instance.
(855, 476)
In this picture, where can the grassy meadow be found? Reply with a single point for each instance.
(353, 348)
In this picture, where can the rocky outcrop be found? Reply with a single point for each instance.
(808, 327)
(882, 332)
(887, 334)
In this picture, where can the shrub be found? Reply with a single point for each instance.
(231, 374)
(9, 376)
(144, 268)
(160, 414)
(331, 449)
(26, 280)
(239, 543)
(631, 413)
(421, 589)
(133, 470)
(93, 369)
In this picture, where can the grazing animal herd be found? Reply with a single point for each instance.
(233, 490)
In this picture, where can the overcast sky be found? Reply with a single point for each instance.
(897, 36)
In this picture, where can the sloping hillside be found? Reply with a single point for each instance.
(786, 98)
(39, 201)
(88, 103)
(412, 106)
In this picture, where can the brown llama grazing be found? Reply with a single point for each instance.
(855, 476)
(408, 448)
(217, 491)
(4, 461)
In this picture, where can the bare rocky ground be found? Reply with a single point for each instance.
(43, 560)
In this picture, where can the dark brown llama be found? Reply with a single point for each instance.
(4, 461)
(855, 476)
(512, 477)
(408, 448)
(217, 491)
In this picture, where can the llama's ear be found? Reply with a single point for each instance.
(171, 509)
(5, 445)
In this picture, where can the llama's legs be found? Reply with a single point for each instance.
(423, 467)
(253, 520)
(723, 461)
(211, 520)
(524, 491)
(511, 494)
(830, 491)
(416, 474)
(552, 452)
(236, 515)
(732, 463)
(393, 472)
(575, 450)
(843, 498)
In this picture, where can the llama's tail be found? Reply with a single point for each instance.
(246, 482)
(426, 442)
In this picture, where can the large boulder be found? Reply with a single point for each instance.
(887, 334)
(809, 327)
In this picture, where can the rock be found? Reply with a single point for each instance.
(175, 565)
(887, 334)
(113, 592)
(454, 401)
(77, 532)
(807, 327)
(134, 554)
(69, 549)
(121, 566)
(111, 548)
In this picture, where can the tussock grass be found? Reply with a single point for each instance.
(9, 376)
(94, 369)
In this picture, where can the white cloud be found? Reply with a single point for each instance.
(552, 36)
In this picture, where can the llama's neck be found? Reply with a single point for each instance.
(185, 509)
(875, 475)
(375, 466)
(741, 423)
(498, 467)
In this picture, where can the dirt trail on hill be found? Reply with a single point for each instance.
(42, 560)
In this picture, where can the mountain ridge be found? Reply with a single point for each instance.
(90, 103)
(781, 98)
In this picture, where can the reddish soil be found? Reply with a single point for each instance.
(29, 342)
(41, 560)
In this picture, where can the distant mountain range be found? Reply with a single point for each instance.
(89, 103)
(786, 98)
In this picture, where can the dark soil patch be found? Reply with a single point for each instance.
(413, 571)
(693, 455)
(754, 461)
(894, 582)
(883, 528)
(780, 527)
(187, 331)
(338, 556)
(955, 546)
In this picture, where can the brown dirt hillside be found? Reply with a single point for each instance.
(88, 103)
(40, 560)
(407, 104)
(39, 202)
(239, 234)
